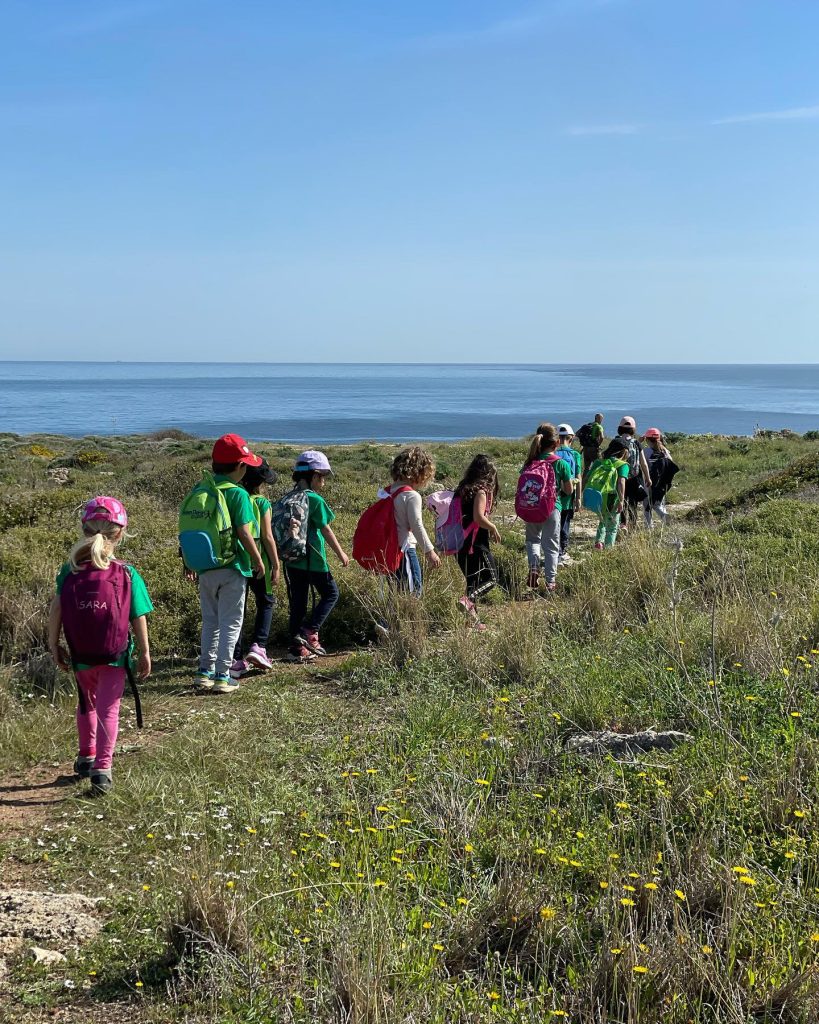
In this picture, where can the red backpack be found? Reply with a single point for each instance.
(375, 541)
(536, 496)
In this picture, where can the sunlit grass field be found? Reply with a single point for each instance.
(400, 833)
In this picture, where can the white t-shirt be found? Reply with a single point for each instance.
(411, 530)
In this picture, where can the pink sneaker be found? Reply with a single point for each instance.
(238, 669)
(311, 642)
(598, 546)
(257, 656)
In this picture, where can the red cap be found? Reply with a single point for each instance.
(653, 432)
(232, 448)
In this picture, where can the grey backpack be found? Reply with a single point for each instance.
(289, 519)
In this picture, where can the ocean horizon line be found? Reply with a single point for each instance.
(347, 362)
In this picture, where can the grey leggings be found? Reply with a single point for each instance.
(543, 545)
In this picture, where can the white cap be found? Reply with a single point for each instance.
(565, 428)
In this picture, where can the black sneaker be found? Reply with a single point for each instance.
(101, 783)
(83, 766)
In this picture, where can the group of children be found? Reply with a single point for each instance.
(235, 542)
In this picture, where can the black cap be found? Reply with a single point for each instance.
(262, 474)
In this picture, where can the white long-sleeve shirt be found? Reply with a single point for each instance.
(411, 530)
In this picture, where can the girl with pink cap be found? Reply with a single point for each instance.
(98, 601)
(662, 471)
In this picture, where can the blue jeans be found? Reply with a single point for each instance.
(408, 574)
(265, 603)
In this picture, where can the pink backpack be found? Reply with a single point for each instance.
(450, 535)
(96, 609)
(536, 496)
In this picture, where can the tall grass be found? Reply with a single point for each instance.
(405, 837)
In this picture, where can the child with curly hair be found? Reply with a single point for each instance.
(412, 469)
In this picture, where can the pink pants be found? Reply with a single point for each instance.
(102, 687)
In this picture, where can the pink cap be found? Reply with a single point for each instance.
(628, 421)
(653, 432)
(107, 508)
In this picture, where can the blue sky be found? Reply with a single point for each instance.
(457, 180)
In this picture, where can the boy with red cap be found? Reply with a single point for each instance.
(222, 590)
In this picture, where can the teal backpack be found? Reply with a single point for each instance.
(206, 536)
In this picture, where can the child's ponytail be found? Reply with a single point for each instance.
(534, 448)
(96, 545)
(545, 438)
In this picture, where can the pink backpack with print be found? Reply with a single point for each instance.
(536, 496)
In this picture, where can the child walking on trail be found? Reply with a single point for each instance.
(413, 469)
(216, 538)
(312, 571)
(478, 493)
(543, 535)
(662, 471)
(99, 600)
(568, 502)
(614, 466)
(638, 483)
(255, 482)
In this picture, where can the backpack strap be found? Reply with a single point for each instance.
(134, 691)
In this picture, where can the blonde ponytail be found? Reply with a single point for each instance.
(96, 546)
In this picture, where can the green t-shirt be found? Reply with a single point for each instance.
(596, 432)
(140, 600)
(566, 501)
(241, 514)
(563, 473)
(261, 507)
(320, 515)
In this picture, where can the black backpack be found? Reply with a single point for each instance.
(585, 436)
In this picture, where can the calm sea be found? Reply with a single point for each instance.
(343, 402)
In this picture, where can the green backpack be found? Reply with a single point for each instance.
(207, 539)
(601, 483)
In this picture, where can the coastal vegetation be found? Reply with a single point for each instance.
(404, 832)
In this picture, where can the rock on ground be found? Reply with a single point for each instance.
(56, 920)
(607, 742)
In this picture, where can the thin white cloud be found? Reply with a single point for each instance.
(525, 24)
(788, 114)
(507, 28)
(604, 129)
(109, 18)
